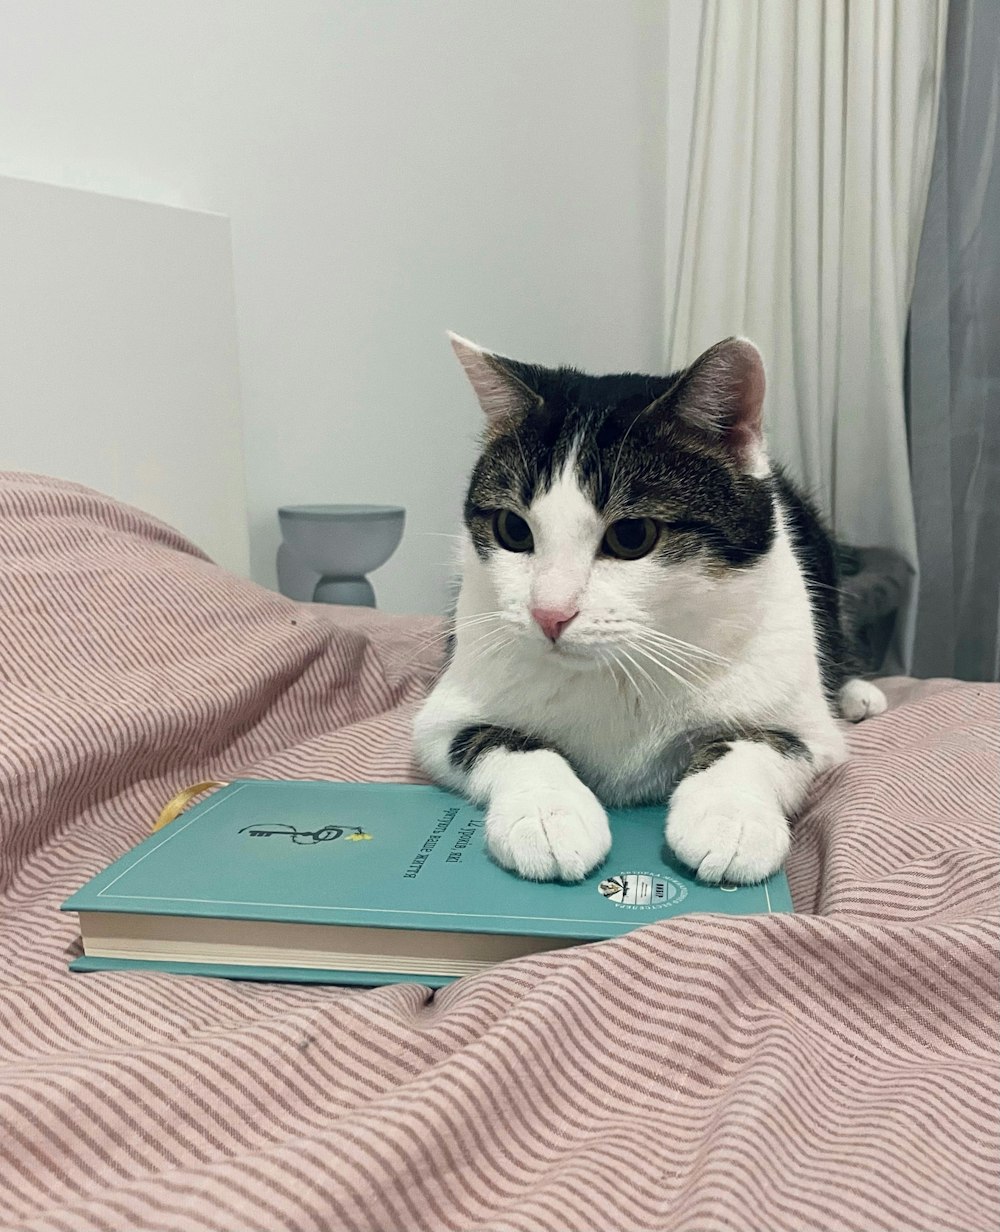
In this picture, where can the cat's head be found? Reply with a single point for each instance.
(602, 506)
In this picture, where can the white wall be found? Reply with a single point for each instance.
(683, 35)
(391, 169)
(118, 356)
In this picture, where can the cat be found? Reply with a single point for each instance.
(648, 613)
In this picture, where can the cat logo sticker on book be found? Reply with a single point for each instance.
(643, 891)
(306, 838)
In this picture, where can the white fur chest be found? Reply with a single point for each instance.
(622, 734)
(622, 725)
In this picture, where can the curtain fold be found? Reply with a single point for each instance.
(953, 372)
(811, 152)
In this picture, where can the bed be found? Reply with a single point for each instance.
(832, 1069)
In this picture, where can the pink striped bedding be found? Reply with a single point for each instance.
(836, 1069)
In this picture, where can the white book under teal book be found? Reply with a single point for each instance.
(367, 883)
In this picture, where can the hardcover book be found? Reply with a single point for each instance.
(367, 883)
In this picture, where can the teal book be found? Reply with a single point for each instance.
(367, 883)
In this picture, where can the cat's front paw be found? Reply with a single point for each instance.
(724, 837)
(547, 832)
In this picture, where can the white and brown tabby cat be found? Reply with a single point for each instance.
(648, 613)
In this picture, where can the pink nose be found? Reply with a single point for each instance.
(552, 620)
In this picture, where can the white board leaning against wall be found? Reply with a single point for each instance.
(118, 356)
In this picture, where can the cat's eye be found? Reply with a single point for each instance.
(631, 538)
(512, 532)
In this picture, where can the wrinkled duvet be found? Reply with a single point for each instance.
(832, 1069)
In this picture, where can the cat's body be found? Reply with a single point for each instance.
(703, 670)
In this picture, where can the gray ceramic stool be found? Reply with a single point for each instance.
(327, 550)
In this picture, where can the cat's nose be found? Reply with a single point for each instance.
(552, 620)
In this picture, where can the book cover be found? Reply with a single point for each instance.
(389, 856)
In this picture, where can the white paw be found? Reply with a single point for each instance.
(725, 836)
(859, 699)
(548, 832)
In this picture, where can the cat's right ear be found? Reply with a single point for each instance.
(504, 397)
(721, 399)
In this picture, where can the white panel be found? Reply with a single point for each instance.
(118, 358)
(391, 171)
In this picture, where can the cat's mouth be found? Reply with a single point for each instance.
(572, 654)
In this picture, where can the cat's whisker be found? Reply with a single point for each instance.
(461, 622)
(482, 638)
(811, 584)
(487, 651)
(453, 628)
(694, 663)
(471, 622)
(644, 672)
(723, 623)
(483, 652)
(638, 649)
(665, 666)
(618, 456)
(436, 641)
(613, 661)
(477, 635)
(619, 684)
(629, 677)
(470, 630)
(680, 643)
(693, 671)
(524, 458)
(449, 629)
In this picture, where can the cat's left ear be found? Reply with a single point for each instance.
(504, 397)
(721, 397)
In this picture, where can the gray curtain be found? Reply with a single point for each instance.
(953, 369)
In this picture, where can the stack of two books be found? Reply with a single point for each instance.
(362, 883)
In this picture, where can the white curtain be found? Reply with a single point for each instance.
(811, 149)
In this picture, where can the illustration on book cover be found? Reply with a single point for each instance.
(306, 838)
